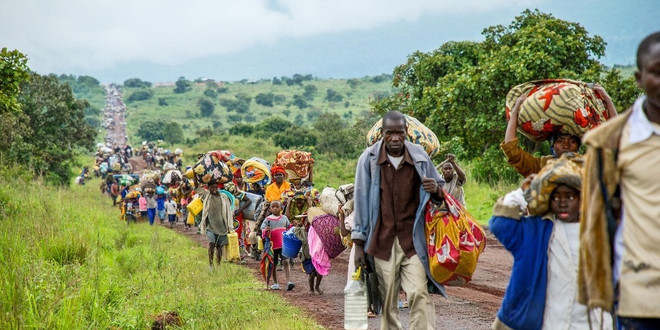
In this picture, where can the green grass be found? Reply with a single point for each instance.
(69, 263)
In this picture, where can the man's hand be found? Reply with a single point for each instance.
(359, 259)
(430, 185)
(451, 158)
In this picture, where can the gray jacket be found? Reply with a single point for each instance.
(367, 199)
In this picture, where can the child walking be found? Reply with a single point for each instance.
(142, 204)
(170, 208)
(542, 291)
(273, 227)
(314, 277)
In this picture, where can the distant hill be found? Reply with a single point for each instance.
(300, 99)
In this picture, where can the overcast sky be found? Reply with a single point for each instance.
(160, 40)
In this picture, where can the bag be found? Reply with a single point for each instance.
(211, 169)
(345, 193)
(196, 206)
(454, 240)
(329, 201)
(417, 134)
(327, 228)
(254, 208)
(556, 105)
(172, 176)
(256, 170)
(298, 164)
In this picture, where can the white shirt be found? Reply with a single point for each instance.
(170, 206)
(562, 311)
(395, 160)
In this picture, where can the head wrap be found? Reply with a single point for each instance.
(566, 170)
(277, 169)
(237, 173)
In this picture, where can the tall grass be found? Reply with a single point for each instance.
(68, 262)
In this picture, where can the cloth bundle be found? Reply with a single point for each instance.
(256, 170)
(327, 229)
(556, 105)
(211, 168)
(298, 164)
(566, 170)
(417, 133)
(172, 176)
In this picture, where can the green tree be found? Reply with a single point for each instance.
(299, 102)
(265, 99)
(56, 128)
(279, 99)
(182, 85)
(140, 95)
(210, 93)
(273, 125)
(206, 107)
(136, 83)
(295, 137)
(333, 96)
(151, 130)
(333, 135)
(173, 133)
(162, 102)
(458, 90)
(241, 129)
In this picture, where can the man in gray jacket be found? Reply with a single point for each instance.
(394, 180)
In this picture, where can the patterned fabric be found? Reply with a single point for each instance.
(455, 241)
(210, 169)
(556, 105)
(566, 170)
(417, 133)
(296, 163)
(266, 265)
(327, 229)
(256, 170)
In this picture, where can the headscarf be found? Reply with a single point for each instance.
(277, 169)
(566, 170)
(237, 173)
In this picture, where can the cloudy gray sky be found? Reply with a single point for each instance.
(160, 40)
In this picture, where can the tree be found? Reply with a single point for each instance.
(334, 137)
(265, 99)
(310, 92)
(300, 102)
(151, 130)
(294, 137)
(277, 81)
(333, 96)
(136, 83)
(140, 95)
(241, 129)
(458, 90)
(273, 125)
(210, 93)
(57, 128)
(173, 133)
(206, 107)
(182, 85)
(279, 99)
(354, 83)
(162, 102)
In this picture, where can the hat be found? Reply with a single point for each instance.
(566, 170)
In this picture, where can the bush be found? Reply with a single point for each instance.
(162, 102)
(265, 99)
(206, 107)
(492, 167)
(210, 93)
(241, 129)
(333, 96)
(140, 95)
(136, 83)
(295, 137)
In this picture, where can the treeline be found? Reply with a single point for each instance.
(459, 89)
(42, 125)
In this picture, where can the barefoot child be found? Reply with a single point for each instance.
(273, 227)
(314, 277)
(542, 290)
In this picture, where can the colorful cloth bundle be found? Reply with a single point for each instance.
(211, 169)
(327, 228)
(296, 163)
(565, 170)
(556, 105)
(417, 133)
(256, 170)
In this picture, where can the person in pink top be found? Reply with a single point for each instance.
(142, 204)
(273, 228)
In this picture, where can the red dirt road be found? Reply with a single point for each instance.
(473, 306)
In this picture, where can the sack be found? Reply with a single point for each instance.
(556, 105)
(172, 176)
(254, 208)
(454, 240)
(417, 133)
(329, 202)
(211, 169)
(345, 193)
(327, 228)
(256, 170)
(298, 164)
(196, 206)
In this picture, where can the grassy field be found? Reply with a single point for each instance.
(183, 108)
(69, 263)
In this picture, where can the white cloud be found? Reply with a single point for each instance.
(61, 35)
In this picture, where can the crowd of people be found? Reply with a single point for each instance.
(581, 229)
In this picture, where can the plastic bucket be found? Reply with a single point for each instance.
(290, 245)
